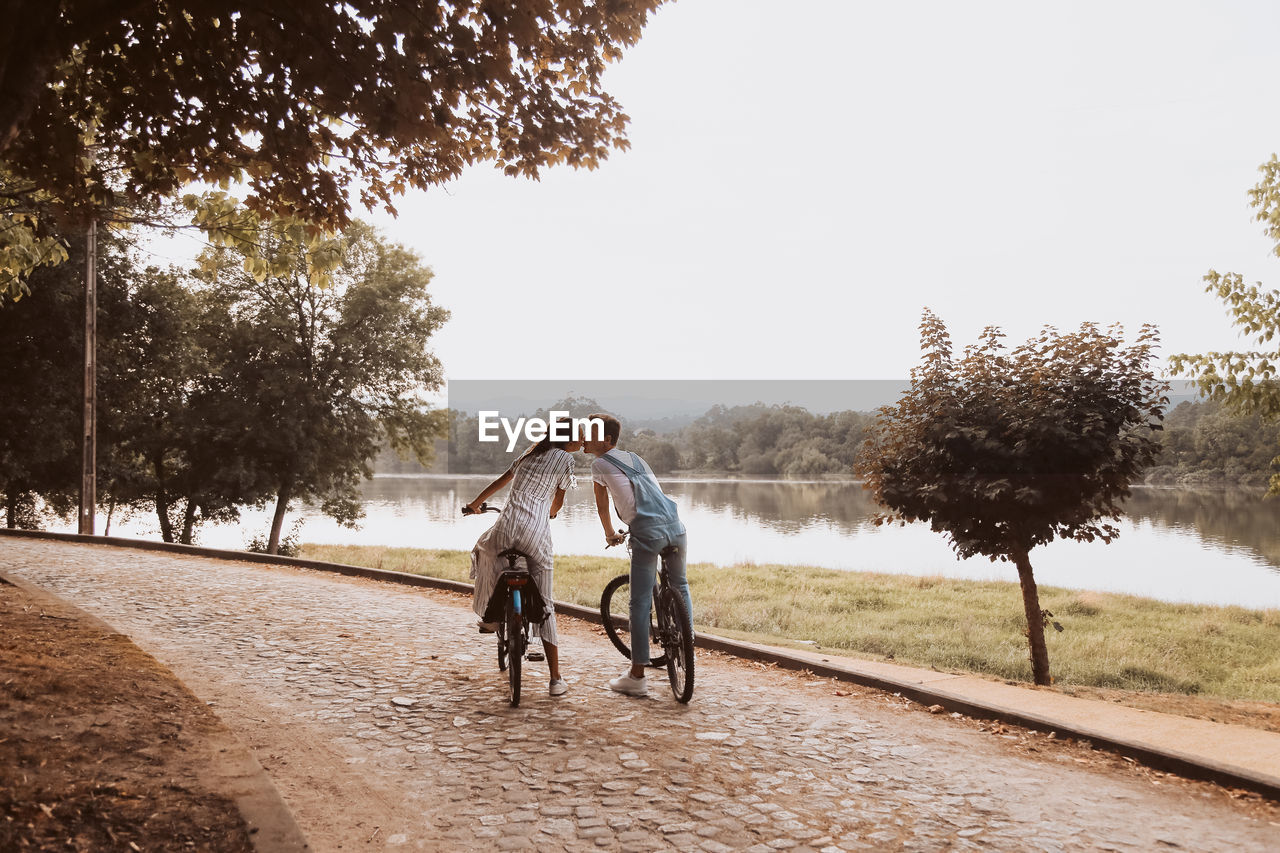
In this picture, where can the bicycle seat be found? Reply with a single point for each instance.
(669, 551)
(513, 554)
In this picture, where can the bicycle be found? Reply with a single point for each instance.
(670, 625)
(515, 598)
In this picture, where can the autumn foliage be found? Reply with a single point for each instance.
(107, 104)
(306, 100)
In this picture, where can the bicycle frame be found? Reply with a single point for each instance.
(507, 606)
(671, 628)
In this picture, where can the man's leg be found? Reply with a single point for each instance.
(676, 565)
(644, 573)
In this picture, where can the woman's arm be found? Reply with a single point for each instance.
(557, 502)
(491, 489)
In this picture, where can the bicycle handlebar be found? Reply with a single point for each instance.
(484, 507)
(622, 533)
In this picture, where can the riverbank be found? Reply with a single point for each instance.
(1213, 661)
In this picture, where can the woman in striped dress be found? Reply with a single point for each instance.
(538, 481)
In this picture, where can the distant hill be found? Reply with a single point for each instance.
(673, 403)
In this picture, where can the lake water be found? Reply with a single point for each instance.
(1215, 547)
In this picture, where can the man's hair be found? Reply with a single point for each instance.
(612, 426)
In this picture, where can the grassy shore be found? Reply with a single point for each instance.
(1107, 641)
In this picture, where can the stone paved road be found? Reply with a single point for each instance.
(381, 715)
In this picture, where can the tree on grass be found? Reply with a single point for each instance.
(1246, 382)
(164, 440)
(40, 393)
(318, 380)
(1003, 451)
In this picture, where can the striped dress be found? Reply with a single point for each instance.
(524, 523)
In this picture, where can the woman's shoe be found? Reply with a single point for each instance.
(558, 687)
(487, 627)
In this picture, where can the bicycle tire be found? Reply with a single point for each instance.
(502, 646)
(515, 650)
(678, 634)
(615, 609)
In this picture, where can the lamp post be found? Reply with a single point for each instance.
(88, 471)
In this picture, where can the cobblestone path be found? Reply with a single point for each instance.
(381, 716)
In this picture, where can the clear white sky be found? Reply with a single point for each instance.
(806, 176)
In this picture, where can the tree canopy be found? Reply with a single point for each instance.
(1003, 451)
(1246, 381)
(220, 389)
(320, 378)
(304, 101)
(40, 390)
(303, 104)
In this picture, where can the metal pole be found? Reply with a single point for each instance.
(89, 477)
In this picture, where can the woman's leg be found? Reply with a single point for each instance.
(644, 573)
(544, 577)
(484, 572)
(553, 659)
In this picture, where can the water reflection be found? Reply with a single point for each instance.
(1229, 518)
(1181, 545)
(788, 510)
(1219, 547)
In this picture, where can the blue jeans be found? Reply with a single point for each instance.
(644, 574)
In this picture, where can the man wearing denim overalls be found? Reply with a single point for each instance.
(654, 524)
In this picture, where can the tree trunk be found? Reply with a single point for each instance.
(162, 502)
(277, 521)
(188, 522)
(1035, 619)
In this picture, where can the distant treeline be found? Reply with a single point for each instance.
(1205, 445)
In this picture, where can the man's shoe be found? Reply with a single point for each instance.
(558, 687)
(630, 686)
(487, 627)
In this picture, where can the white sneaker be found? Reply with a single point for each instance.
(631, 686)
(558, 687)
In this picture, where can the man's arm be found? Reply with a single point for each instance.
(602, 510)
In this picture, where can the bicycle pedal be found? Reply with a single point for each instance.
(535, 656)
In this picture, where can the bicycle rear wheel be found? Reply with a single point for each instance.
(502, 645)
(677, 636)
(515, 649)
(615, 613)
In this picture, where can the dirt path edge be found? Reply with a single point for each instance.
(230, 769)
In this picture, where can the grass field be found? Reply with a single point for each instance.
(1108, 640)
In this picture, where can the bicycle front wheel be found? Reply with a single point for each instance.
(515, 649)
(615, 614)
(677, 636)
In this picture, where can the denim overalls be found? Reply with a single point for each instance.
(656, 525)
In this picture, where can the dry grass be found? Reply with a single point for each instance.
(1108, 641)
